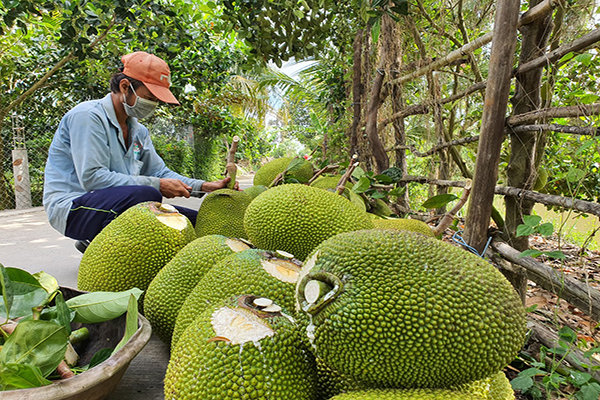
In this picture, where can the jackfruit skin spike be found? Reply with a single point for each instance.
(222, 213)
(381, 209)
(407, 394)
(269, 171)
(131, 250)
(331, 382)
(296, 218)
(209, 368)
(408, 311)
(171, 286)
(241, 272)
(413, 225)
(254, 191)
(495, 387)
(330, 183)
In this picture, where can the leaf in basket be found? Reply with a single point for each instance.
(97, 307)
(21, 376)
(7, 292)
(47, 281)
(27, 293)
(131, 324)
(64, 315)
(39, 343)
(100, 356)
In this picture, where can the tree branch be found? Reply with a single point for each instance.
(555, 112)
(582, 296)
(587, 207)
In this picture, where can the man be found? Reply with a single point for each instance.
(102, 161)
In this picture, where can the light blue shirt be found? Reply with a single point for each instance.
(88, 153)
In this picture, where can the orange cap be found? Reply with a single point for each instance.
(152, 71)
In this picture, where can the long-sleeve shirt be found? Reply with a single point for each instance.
(89, 153)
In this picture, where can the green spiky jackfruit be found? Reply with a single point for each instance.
(407, 394)
(171, 286)
(269, 171)
(330, 183)
(296, 218)
(413, 225)
(239, 350)
(254, 191)
(381, 208)
(131, 250)
(256, 271)
(222, 213)
(398, 309)
(495, 387)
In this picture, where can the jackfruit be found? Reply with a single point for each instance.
(407, 394)
(541, 180)
(269, 171)
(413, 225)
(222, 213)
(495, 387)
(244, 348)
(381, 208)
(131, 250)
(330, 183)
(296, 218)
(332, 383)
(254, 191)
(171, 286)
(398, 309)
(256, 271)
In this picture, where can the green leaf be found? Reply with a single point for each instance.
(546, 229)
(358, 173)
(524, 230)
(64, 315)
(101, 306)
(7, 292)
(383, 178)
(131, 325)
(39, 343)
(46, 281)
(567, 334)
(26, 293)
(532, 220)
(394, 172)
(362, 185)
(521, 383)
(295, 164)
(579, 378)
(378, 195)
(439, 201)
(530, 372)
(100, 356)
(590, 391)
(531, 253)
(20, 376)
(555, 254)
(575, 174)
(584, 58)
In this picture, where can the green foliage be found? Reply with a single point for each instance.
(548, 376)
(532, 225)
(39, 342)
(177, 154)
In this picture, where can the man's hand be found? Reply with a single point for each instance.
(174, 188)
(212, 186)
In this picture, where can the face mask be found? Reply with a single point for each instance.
(142, 108)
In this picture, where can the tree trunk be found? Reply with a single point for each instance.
(492, 125)
(526, 148)
(357, 91)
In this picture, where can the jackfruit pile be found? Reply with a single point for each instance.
(321, 301)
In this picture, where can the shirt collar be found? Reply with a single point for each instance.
(108, 106)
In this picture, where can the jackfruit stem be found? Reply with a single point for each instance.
(320, 295)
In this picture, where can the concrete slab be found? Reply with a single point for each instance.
(27, 241)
